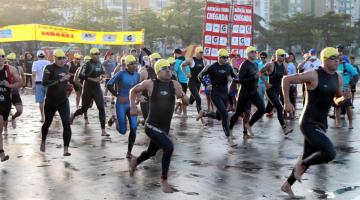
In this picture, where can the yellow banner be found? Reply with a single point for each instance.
(37, 32)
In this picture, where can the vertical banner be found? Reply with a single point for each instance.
(215, 34)
(242, 29)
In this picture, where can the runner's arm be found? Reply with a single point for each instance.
(111, 83)
(203, 73)
(244, 78)
(263, 71)
(48, 81)
(180, 94)
(137, 89)
(143, 75)
(339, 98)
(307, 77)
(33, 75)
(17, 83)
(183, 65)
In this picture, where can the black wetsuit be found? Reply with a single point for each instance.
(194, 83)
(318, 148)
(56, 100)
(145, 105)
(273, 93)
(72, 70)
(248, 93)
(218, 75)
(5, 93)
(91, 90)
(162, 103)
(15, 94)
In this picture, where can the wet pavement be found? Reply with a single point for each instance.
(202, 167)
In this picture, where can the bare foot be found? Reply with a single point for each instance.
(133, 165)
(231, 142)
(42, 146)
(337, 126)
(247, 136)
(351, 126)
(104, 133)
(232, 135)
(166, 187)
(5, 131)
(299, 170)
(111, 120)
(13, 123)
(67, 154)
(129, 155)
(287, 130)
(200, 116)
(4, 157)
(72, 117)
(248, 127)
(286, 187)
(87, 121)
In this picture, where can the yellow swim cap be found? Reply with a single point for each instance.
(280, 52)
(155, 56)
(250, 49)
(58, 53)
(223, 53)
(161, 63)
(130, 59)
(94, 51)
(328, 52)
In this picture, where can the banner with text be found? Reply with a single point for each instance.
(215, 34)
(242, 33)
(37, 32)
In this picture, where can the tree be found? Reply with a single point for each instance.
(307, 31)
(151, 22)
(29, 12)
(185, 22)
(89, 16)
(176, 23)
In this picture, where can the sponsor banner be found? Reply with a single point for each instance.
(47, 33)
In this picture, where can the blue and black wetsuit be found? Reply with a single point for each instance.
(124, 80)
(318, 148)
(162, 104)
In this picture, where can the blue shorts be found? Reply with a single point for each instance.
(207, 92)
(123, 112)
(40, 92)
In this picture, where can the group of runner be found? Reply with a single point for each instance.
(160, 86)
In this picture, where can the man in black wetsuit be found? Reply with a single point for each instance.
(326, 83)
(15, 93)
(74, 65)
(276, 70)
(248, 78)
(219, 74)
(56, 78)
(145, 74)
(9, 80)
(92, 74)
(162, 92)
(196, 64)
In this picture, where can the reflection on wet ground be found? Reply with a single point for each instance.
(203, 166)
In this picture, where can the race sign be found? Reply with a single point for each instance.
(215, 34)
(242, 33)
